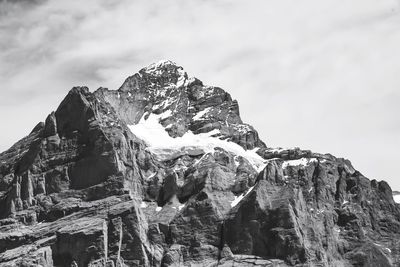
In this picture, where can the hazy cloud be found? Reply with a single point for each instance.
(322, 75)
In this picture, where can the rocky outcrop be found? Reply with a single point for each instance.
(163, 172)
(165, 87)
(81, 243)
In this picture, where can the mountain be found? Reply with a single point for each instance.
(163, 172)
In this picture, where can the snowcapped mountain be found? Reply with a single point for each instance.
(186, 104)
(163, 172)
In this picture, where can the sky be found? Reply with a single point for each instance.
(320, 75)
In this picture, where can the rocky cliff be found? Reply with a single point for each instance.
(163, 172)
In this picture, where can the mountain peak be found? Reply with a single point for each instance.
(161, 64)
(164, 68)
(164, 87)
(163, 172)
(164, 74)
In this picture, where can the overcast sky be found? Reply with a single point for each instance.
(321, 75)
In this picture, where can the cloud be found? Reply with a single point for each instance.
(321, 75)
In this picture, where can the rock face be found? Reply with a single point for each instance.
(163, 172)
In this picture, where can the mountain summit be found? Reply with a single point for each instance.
(163, 172)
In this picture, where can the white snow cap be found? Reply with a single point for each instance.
(160, 64)
(155, 70)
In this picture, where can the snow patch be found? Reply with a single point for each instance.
(158, 209)
(143, 205)
(280, 149)
(155, 67)
(164, 104)
(320, 211)
(166, 114)
(239, 198)
(298, 162)
(151, 175)
(385, 248)
(201, 113)
(161, 144)
(396, 198)
(237, 161)
(182, 79)
(242, 128)
(157, 70)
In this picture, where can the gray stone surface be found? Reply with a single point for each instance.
(82, 190)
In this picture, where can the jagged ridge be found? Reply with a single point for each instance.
(84, 188)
